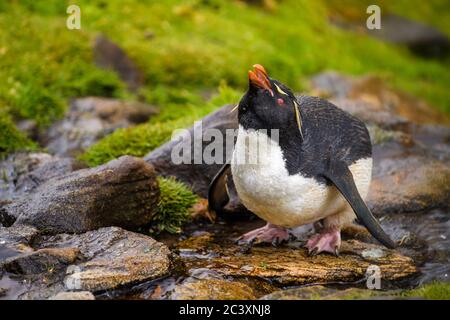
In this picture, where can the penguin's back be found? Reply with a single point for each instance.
(328, 133)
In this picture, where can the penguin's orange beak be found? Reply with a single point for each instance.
(260, 78)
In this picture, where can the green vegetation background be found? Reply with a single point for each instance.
(188, 52)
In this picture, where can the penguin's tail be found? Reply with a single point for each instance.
(339, 174)
(218, 192)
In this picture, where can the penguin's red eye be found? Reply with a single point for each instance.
(280, 101)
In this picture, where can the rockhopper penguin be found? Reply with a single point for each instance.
(317, 170)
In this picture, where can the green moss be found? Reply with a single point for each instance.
(43, 64)
(186, 50)
(173, 208)
(200, 46)
(12, 139)
(432, 291)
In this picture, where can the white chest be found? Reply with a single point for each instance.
(266, 188)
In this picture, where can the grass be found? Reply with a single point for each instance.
(42, 66)
(185, 49)
(173, 208)
(432, 291)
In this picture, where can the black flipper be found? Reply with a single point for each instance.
(218, 193)
(342, 178)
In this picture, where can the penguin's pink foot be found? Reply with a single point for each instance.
(328, 240)
(268, 234)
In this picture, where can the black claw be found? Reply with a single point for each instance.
(275, 242)
(241, 241)
(313, 252)
(336, 252)
(246, 245)
(246, 249)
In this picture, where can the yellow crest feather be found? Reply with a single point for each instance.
(298, 117)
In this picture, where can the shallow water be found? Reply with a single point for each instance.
(13, 288)
(434, 229)
(10, 288)
(6, 252)
(430, 247)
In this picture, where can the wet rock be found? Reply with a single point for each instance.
(408, 181)
(197, 176)
(213, 289)
(22, 173)
(93, 261)
(421, 39)
(291, 265)
(36, 274)
(15, 240)
(47, 260)
(20, 234)
(73, 295)
(109, 55)
(90, 119)
(124, 192)
(115, 258)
